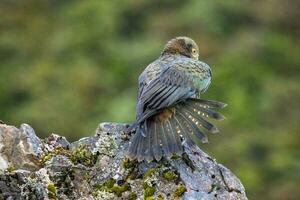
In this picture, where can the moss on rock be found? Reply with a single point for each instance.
(149, 173)
(111, 187)
(179, 190)
(51, 191)
(109, 183)
(10, 168)
(57, 151)
(148, 191)
(129, 164)
(132, 196)
(175, 157)
(83, 156)
(118, 190)
(169, 175)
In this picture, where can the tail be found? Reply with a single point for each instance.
(162, 134)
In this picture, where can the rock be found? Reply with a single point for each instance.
(204, 178)
(19, 148)
(10, 183)
(96, 168)
(33, 143)
(57, 141)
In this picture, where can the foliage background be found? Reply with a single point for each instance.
(65, 66)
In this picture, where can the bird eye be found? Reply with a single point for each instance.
(194, 51)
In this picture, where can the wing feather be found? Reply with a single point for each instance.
(178, 80)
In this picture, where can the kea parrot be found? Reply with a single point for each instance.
(169, 108)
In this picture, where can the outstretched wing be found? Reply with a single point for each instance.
(180, 79)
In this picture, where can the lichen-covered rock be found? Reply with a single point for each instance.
(96, 168)
(204, 178)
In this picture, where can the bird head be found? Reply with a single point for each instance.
(183, 46)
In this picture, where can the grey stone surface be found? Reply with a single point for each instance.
(204, 178)
(96, 168)
(19, 148)
(55, 141)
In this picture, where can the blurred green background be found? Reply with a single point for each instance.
(66, 66)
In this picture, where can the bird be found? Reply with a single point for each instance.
(169, 109)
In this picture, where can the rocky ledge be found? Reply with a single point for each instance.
(95, 168)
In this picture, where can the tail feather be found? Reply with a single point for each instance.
(167, 148)
(209, 103)
(157, 151)
(149, 138)
(173, 146)
(182, 131)
(141, 149)
(162, 134)
(133, 147)
(176, 136)
(203, 110)
(199, 121)
(192, 128)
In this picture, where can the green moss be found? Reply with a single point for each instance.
(160, 197)
(83, 156)
(149, 198)
(129, 164)
(109, 183)
(170, 175)
(133, 175)
(47, 157)
(179, 190)
(132, 196)
(56, 151)
(175, 157)
(87, 176)
(118, 190)
(95, 193)
(148, 191)
(111, 187)
(51, 191)
(10, 168)
(149, 173)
